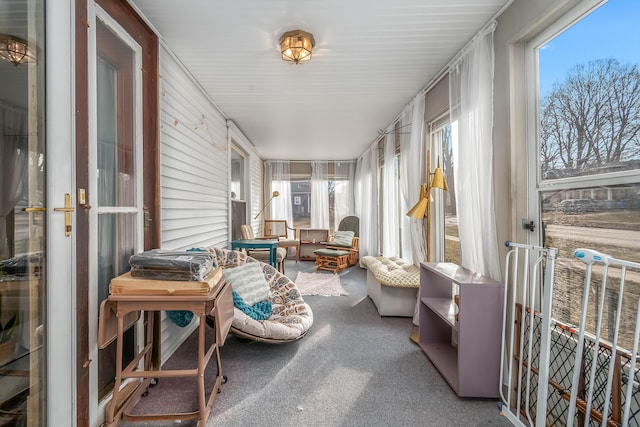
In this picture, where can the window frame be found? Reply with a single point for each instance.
(537, 185)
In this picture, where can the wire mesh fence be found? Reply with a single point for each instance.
(564, 339)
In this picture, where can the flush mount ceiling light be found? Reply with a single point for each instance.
(296, 46)
(16, 50)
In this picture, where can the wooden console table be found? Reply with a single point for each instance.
(121, 309)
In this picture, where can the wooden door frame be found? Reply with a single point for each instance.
(128, 18)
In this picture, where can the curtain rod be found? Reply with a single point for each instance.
(445, 69)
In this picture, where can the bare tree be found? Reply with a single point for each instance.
(591, 119)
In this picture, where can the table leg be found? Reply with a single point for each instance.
(112, 406)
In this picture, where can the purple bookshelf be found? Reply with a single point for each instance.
(466, 349)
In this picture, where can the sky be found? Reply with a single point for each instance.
(611, 31)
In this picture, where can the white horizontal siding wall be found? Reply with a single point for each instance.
(194, 186)
(194, 170)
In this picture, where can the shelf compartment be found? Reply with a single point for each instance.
(443, 307)
(445, 358)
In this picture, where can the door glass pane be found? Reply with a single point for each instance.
(22, 220)
(115, 123)
(116, 243)
(590, 95)
(603, 218)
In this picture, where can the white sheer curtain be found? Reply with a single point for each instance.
(471, 97)
(13, 174)
(344, 178)
(390, 223)
(366, 201)
(412, 175)
(279, 177)
(319, 194)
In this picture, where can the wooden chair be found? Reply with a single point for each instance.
(263, 255)
(348, 223)
(278, 228)
(354, 249)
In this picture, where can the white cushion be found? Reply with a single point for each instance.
(248, 281)
(392, 271)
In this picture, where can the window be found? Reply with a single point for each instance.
(301, 198)
(340, 190)
(588, 146)
(238, 170)
(445, 224)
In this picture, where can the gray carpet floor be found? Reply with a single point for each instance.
(354, 368)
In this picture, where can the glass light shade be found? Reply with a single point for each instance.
(16, 50)
(296, 46)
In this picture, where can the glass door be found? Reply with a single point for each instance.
(116, 150)
(22, 214)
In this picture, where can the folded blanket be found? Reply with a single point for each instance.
(172, 265)
(259, 311)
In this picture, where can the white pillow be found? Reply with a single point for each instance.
(342, 238)
(248, 281)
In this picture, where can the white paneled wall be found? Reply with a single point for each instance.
(194, 186)
(194, 170)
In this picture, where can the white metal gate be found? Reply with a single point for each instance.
(571, 376)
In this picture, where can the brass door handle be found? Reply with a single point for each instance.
(67, 209)
(33, 209)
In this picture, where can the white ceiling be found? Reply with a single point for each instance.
(371, 58)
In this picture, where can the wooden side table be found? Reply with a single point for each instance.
(125, 308)
(310, 240)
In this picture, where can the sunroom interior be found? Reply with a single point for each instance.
(445, 128)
